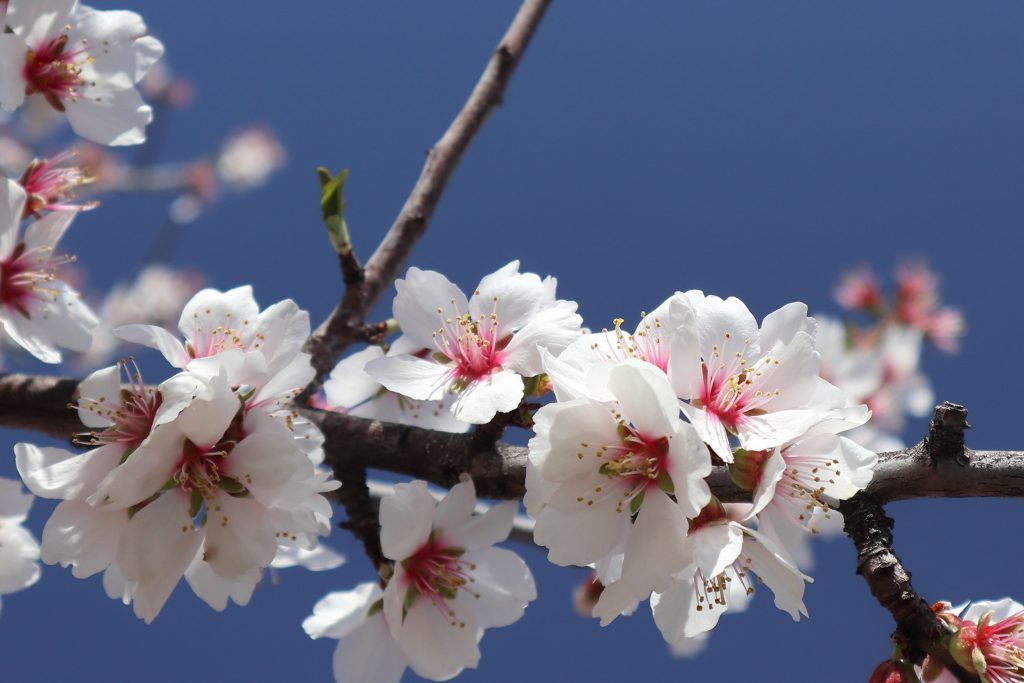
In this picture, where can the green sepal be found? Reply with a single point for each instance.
(665, 484)
(229, 485)
(446, 592)
(195, 503)
(410, 598)
(635, 503)
(375, 608)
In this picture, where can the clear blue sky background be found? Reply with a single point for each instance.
(752, 148)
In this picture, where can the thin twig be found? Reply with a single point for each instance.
(341, 328)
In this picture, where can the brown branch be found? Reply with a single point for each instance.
(341, 328)
(941, 455)
(39, 404)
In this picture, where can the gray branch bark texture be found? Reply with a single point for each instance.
(42, 405)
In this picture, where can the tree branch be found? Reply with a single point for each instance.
(341, 328)
(943, 456)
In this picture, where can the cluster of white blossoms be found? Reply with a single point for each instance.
(209, 475)
(617, 469)
(447, 586)
(80, 61)
(19, 551)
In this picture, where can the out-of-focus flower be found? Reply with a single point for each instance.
(14, 156)
(159, 85)
(155, 297)
(19, 551)
(82, 62)
(38, 311)
(859, 290)
(249, 157)
(485, 345)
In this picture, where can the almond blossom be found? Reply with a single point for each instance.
(483, 347)
(38, 311)
(351, 390)
(801, 482)
(449, 583)
(366, 650)
(618, 476)
(213, 478)
(227, 330)
(82, 62)
(19, 551)
(760, 385)
(724, 552)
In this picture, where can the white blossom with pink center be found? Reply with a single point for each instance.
(759, 385)
(227, 330)
(77, 534)
(38, 310)
(366, 650)
(652, 341)
(449, 583)
(618, 476)
(82, 62)
(483, 347)
(801, 483)
(213, 487)
(351, 390)
(724, 552)
(19, 551)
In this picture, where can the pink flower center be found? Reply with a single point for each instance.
(50, 185)
(201, 469)
(54, 71)
(734, 387)
(1001, 644)
(211, 335)
(25, 276)
(132, 418)
(633, 467)
(472, 345)
(646, 344)
(437, 572)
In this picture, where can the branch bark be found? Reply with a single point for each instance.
(341, 328)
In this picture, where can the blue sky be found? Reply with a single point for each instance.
(745, 148)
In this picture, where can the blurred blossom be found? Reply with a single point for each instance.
(859, 290)
(249, 157)
(99, 164)
(13, 155)
(155, 297)
(161, 86)
(880, 368)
